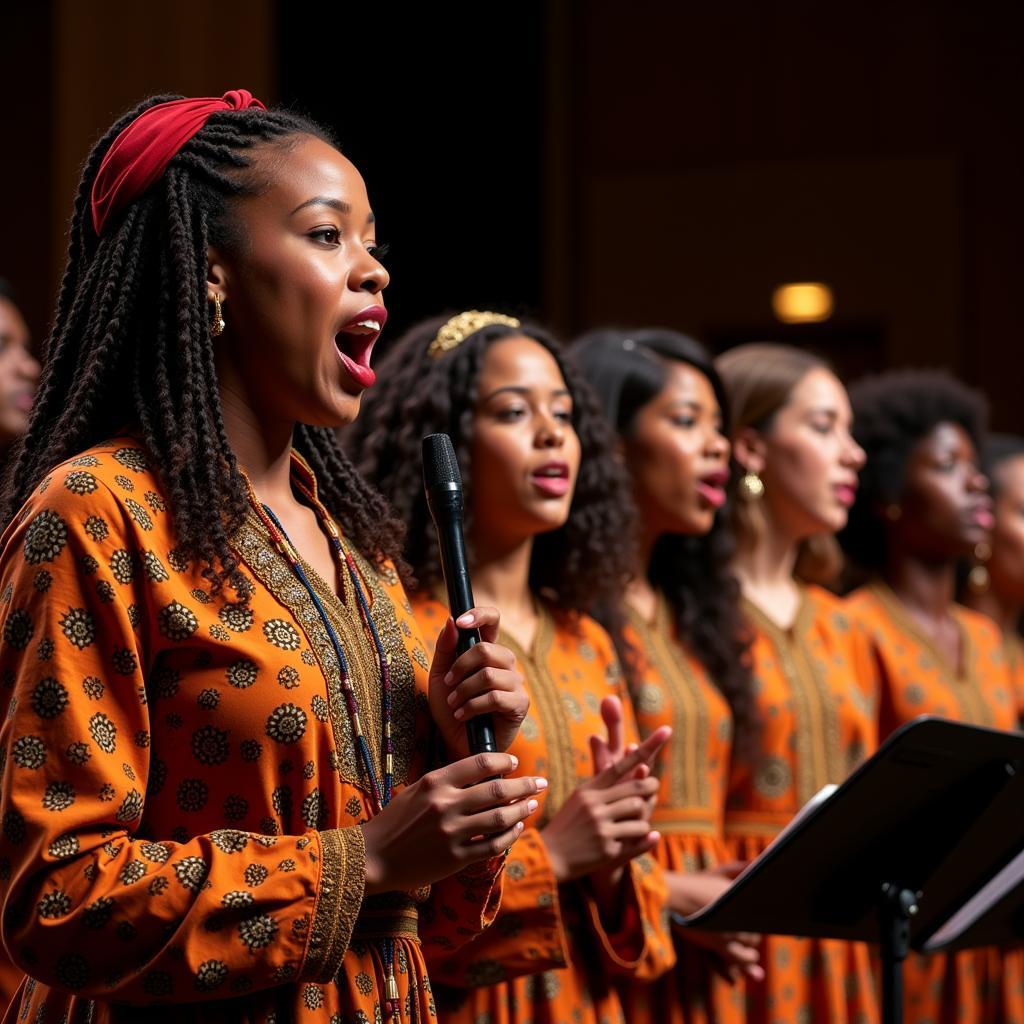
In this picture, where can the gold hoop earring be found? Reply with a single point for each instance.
(751, 487)
(217, 325)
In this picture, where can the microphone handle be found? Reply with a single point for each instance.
(479, 730)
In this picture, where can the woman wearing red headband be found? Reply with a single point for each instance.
(197, 579)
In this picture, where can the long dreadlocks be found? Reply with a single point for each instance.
(131, 348)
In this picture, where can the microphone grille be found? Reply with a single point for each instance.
(439, 463)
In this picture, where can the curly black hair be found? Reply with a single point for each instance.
(131, 349)
(578, 565)
(892, 412)
(628, 369)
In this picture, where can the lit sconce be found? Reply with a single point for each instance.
(803, 302)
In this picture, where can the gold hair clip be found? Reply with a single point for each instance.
(462, 325)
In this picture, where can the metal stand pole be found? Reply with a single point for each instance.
(898, 905)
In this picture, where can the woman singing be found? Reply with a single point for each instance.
(683, 646)
(548, 535)
(925, 505)
(813, 715)
(217, 802)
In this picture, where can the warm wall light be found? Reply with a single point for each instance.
(803, 302)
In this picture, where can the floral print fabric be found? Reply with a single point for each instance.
(180, 799)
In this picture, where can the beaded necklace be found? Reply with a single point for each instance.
(380, 791)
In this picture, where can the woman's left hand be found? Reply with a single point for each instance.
(483, 681)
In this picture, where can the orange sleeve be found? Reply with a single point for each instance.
(640, 946)
(524, 937)
(157, 919)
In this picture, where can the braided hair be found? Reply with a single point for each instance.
(130, 346)
(583, 562)
(629, 369)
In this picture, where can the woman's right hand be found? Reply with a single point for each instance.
(452, 817)
(736, 954)
(606, 821)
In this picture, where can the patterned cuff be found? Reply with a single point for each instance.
(342, 886)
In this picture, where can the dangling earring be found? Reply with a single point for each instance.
(978, 578)
(751, 487)
(217, 325)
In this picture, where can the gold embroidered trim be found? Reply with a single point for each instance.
(547, 699)
(671, 821)
(270, 567)
(963, 685)
(818, 753)
(689, 785)
(342, 886)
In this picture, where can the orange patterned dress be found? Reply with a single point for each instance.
(180, 797)
(1014, 649)
(671, 687)
(549, 957)
(916, 679)
(814, 722)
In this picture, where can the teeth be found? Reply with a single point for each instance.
(373, 325)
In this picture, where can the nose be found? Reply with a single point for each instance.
(550, 432)
(371, 275)
(717, 446)
(977, 481)
(29, 368)
(853, 455)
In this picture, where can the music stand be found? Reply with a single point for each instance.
(894, 852)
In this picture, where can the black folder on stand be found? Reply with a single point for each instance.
(896, 851)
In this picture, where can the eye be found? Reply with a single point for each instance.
(326, 236)
(822, 426)
(684, 420)
(510, 414)
(563, 415)
(378, 252)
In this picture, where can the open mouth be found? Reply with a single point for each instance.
(552, 479)
(981, 515)
(846, 493)
(355, 342)
(711, 487)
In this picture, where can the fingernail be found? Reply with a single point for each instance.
(460, 714)
(452, 698)
(532, 805)
(541, 783)
(515, 760)
(465, 620)
(519, 827)
(449, 678)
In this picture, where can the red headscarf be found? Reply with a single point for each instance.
(141, 153)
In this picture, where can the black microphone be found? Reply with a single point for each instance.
(443, 484)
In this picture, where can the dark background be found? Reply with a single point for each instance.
(590, 162)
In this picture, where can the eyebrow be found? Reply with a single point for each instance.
(559, 393)
(335, 204)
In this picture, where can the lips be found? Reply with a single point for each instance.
(846, 493)
(355, 341)
(552, 479)
(981, 515)
(711, 487)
